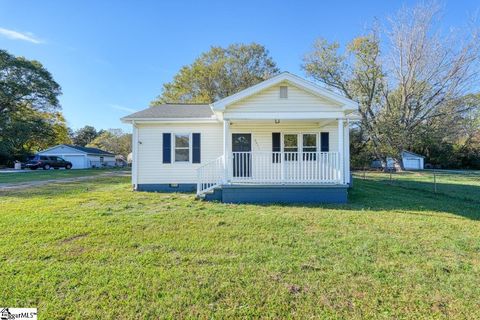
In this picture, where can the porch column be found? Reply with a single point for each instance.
(340, 150)
(226, 153)
(346, 157)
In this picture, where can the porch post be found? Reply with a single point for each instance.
(346, 157)
(341, 149)
(226, 130)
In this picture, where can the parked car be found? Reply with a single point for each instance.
(47, 162)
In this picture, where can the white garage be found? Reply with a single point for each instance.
(81, 157)
(412, 161)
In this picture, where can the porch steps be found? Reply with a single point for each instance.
(214, 195)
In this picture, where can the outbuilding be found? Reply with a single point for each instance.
(412, 161)
(81, 157)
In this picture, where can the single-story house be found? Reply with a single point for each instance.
(285, 139)
(81, 157)
(411, 161)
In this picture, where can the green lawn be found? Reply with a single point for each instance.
(37, 175)
(96, 250)
(463, 185)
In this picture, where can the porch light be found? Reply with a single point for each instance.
(277, 121)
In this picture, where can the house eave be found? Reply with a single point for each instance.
(169, 120)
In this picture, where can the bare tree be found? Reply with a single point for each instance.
(429, 73)
(420, 74)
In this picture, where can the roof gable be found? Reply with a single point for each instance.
(324, 94)
(79, 149)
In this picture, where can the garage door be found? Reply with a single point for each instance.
(411, 163)
(78, 162)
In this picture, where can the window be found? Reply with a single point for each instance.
(182, 147)
(290, 146)
(309, 143)
(283, 92)
(101, 159)
(306, 143)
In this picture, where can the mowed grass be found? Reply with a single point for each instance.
(37, 175)
(96, 250)
(457, 184)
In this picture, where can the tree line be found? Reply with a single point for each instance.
(31, 118)
(414, 82)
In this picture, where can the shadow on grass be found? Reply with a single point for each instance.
(366, 195)
(380, 195)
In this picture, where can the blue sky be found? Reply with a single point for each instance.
(112, 57)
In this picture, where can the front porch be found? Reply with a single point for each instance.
(307, 162)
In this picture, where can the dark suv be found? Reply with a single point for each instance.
(47, 162)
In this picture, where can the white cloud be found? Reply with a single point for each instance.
(15, 35)
(121, 108)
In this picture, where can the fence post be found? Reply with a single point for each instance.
(390, 176)
(434, 181)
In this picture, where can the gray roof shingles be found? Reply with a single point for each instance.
(174, 111)
(90, 150)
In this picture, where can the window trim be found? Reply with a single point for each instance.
(174, 147)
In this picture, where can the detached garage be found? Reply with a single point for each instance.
(412, 161)
(81, 157)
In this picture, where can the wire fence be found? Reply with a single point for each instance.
(461, 184)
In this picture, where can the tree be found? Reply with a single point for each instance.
(219, 73)
(419, 82)
(84, 136)
(29, 108)
(115, 141)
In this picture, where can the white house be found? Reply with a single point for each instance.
(81, 157)
(283, 140)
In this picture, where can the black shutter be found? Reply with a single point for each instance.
(324, 137)
(196, 148)
(276, 146)
(167, 148)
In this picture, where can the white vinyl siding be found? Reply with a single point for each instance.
(150, 148)
(269, 101)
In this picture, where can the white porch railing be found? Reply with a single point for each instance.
(271, 168)
(285, 167)
(210, 175)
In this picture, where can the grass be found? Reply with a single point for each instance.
(94, 249)
(38, 175)
(463, 185)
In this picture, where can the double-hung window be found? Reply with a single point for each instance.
(182, 147)
(305, 143)
(309, 144)
(290, 146)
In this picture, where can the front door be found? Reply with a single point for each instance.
(242, 157)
